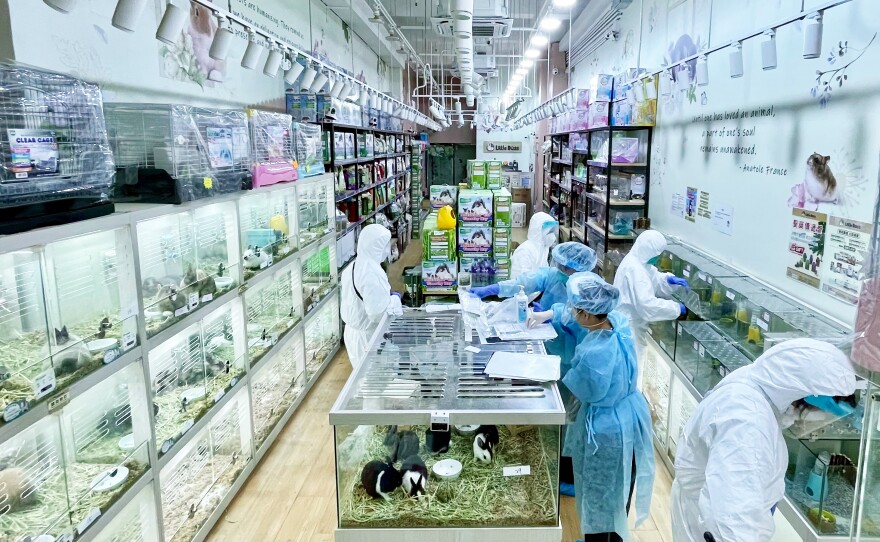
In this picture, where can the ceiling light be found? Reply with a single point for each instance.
(651, 88)
(307, 79)
(549, 23)
(526, 63)
(736, 60)
(392, 37)
(702, 71)
(533, 53)
(319, 82)
(768, 50)
(127, 14)
(364, 98)
(522, 71)
(252, 53)
(222, 37)
(469, 99)
(346, 93)
(273, 61)
(813, 36)
(64, 6)
(336, 87)
(539, 40)
(293, 73)
(564, 3)
(172, 24)
(377, 14)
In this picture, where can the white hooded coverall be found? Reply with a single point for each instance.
(731, 459)
(640, 284)
(361, 313)
(535, 251)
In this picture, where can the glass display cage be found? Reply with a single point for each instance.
(277, 384)
(655, 379)
(137, 522)
(316, 209)
(175, 153)
(274, 307)
(272, 140)
(322, 334)
(319, 274)
(266, 238)
(186, 261)
(420, 378)
(198, 478)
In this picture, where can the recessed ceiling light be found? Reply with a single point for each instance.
(564, 3)
(533, 53)
(550, 23)
(539, 39)
(526, 63)
(522, 71)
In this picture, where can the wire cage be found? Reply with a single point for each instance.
(319, 275)
(321, 336)
(309, 149)
(175, 153)
(276, 385)
(272, 141)
(268, 228)
(56, 165)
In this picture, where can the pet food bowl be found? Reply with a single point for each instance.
(466, 430)
(110, 479)
(447, 469)
(193, 394)
(223, 282)
(43, 538)
(127, 442)
(100, 345)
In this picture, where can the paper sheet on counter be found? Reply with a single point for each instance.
(525, 366)
(442, 307)
(521, 332)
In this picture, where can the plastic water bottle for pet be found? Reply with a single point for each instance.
(522, 306)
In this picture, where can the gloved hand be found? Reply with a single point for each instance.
(538, 318)
(684, 309)
(397, 294)
(395, 308)
(535, 306)
(677, 281)
(485, 291)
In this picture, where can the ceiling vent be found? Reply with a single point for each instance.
(483, 28)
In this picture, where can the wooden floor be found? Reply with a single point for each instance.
(291, 496)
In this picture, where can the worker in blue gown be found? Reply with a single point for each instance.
(609, 440)
(567, 259)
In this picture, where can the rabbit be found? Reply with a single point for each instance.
(254, 258)
(484, 443)
(69, 352)
(414, 476)
(170, 300)
(820, 184)
(392, 442)
(19, 489)
(380, 479)
(408, 445)
(437, 441)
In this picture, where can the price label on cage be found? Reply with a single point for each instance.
(193, 300)
(128, 340)
(208, 182)
(207, 297)
(522, 470)
(763, 325)
(730, 295)
(56, 403)
(219, 395)
(93, 515)
(696, 346)
(701, 276)
(702, 351)
(766, 317)
(44, 384)
(181, 311)
(679, 331)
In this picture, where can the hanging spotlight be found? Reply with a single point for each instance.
(522, 71)
(318, 84)
(435, 111)
(64, 6)
(736, 60)
(222, 37)
(469, 99)
(526, 63)
(539, 40)
(639, 91)
(293, 73)
(533, 53)
(273, 61)
(549, 23)
(346, 91)
(172, 24)
(127, 14)
(768, 50)
(377, 14)
(336, 87)
(666, 84)
(253, 52)
(702, 71)
(650, 88)
(813, 36)
(364, 98)
(308, 78)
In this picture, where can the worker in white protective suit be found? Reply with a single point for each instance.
(645, 291)
(731, 459)
(366, 292)
(535, 251)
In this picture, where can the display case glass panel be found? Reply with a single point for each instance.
(216, 269)
(224, 345)
(681, 407)
(319, 275)
(321, 336)
(656, 379)
(277, 384)
(268, 229)
(316, 209)
(137, 522)
(274, 307)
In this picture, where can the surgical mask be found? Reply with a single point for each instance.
(551, 238)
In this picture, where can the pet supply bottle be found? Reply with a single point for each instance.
(522, 306)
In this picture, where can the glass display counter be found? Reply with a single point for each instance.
(421, 392)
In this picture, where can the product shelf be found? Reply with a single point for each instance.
(615, 202)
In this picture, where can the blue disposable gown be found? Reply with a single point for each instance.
(612, 428)
(549, 280)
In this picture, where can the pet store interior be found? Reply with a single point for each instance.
(316, 270)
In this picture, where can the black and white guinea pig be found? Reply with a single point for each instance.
(380, 479)
(484, 443)
(414, 476)
(437, 441)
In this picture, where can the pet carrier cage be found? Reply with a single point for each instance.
(55, 163)
(309, 149)
(175, 153)
(272, 148)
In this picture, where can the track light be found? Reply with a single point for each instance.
(736, 60)
(293, 73)
(768, 50)
(702, 71)
(526, 63)
(307, 79)
(222, 38)
(539, 40)
(650, 88)
(336, 88)
(549, 23)
(273, 61)
(346, 90)
(364, 98)
(813, 36)
(377, 14)
(666, 84)
(253, 52)
(172, 23)
(127, 14)
(64, 6)
(469, 99)
(639, 91)
(533, 53)
(319, 82)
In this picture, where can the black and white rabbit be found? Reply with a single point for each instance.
(484, 443)
(414, 476)
(437, 441)
(401, 445)
(380, 479)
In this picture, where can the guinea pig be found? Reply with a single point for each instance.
(18, 488)
(255, 258)
(380, 479)
(414, 476)
(484, 443)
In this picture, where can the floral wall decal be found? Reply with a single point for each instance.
(834, 77)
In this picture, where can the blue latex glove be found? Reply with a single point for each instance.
(485, 291)
(536, 307)
(773, 510)
(397, 294)
(677, 281)
(684, 309)
(828, 404)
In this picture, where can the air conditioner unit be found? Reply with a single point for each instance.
(484, 64)
(482, 28)
(493, 9)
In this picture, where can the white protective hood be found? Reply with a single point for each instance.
(535, 251)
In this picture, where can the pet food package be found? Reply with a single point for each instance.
(440, 276)
(339, 145)
(477, 271)
(474, 239)
(475, 206)
(601, 87)
(308, 108)
(327, 144)
(645, 113)
(501, 201)
(599, 114)
(442, 195)
(370, 144)
(502, 268)
(623, 114)
(439, 245)
(518, 215)
(501, 242)
(309, 158)
(349, 147)
(361, 145)
(477, 174)
(583, 98)
(493, 174)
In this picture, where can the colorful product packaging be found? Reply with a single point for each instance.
(583, 98)
(502, 268)
(475, 206)
(474, 239)
(440, 277)
(493, 174)
(601, 87)
(442, 195)
(599, 114)
(349, 147)
(501, 200)
(477, 174)
(501, 242)
(477, 271)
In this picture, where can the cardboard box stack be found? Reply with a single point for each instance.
(439, 259)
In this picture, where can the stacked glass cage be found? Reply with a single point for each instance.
(322, 334)
(277, 384)
(175, 153)
(319, 274)
(267, 220)
(274, 307)
(136, 523)
(316, 213)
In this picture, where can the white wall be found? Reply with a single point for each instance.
(692, 132)
(525, 136)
